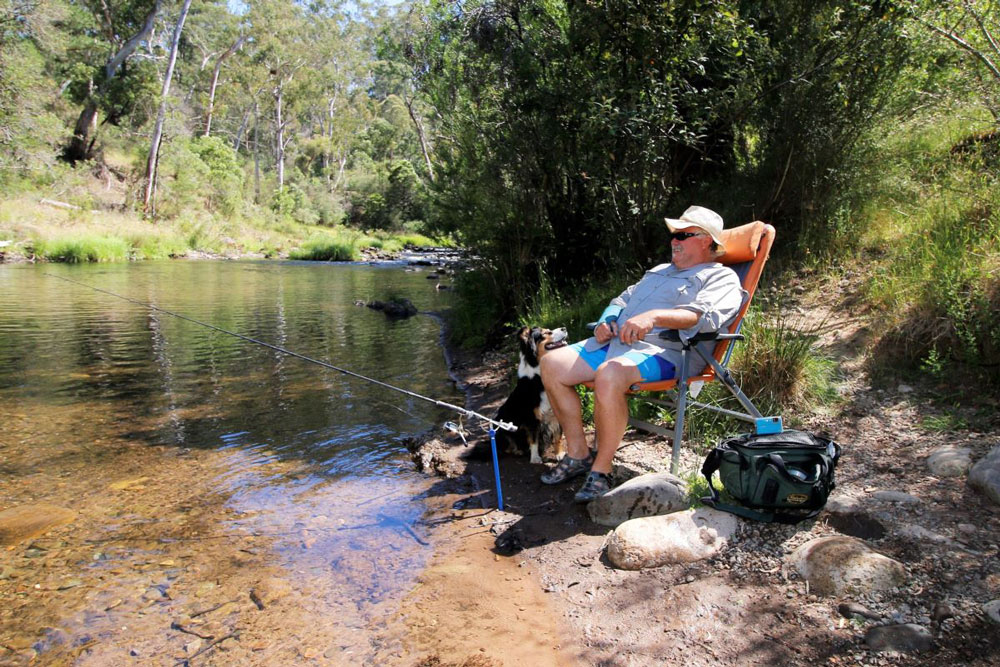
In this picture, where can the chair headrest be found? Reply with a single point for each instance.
(741, 242)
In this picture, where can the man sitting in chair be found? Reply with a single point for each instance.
(692, 294)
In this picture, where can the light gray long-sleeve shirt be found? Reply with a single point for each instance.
(711, 290)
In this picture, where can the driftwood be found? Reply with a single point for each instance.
(59, 204)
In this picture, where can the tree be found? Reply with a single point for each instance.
(973, 26)
(154, 149)
(135, 18)
(569, 129)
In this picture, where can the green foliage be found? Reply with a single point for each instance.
(476, 319)
(182, 177)
(224, 179)
(576, 127)
(936, 227)
(84, 249)
(943, 423)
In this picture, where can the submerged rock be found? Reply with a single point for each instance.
(26, 521)
(397, 308)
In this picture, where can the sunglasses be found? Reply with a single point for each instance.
(681, 236)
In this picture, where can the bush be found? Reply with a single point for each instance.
(225, 175)
(778, 365)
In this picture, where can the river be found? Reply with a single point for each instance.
(202, 470)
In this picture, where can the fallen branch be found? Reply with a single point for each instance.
(59, 204)
(180, 628)
(210, 609)
(232, 635)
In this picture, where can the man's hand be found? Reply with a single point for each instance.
(605, 331)
(637, 327)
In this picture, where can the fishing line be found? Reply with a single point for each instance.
(494, 423)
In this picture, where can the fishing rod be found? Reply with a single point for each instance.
(494, 423)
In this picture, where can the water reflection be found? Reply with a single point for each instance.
(250, 460)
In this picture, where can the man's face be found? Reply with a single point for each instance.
(686, 252)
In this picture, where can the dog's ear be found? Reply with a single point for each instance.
(524, 335)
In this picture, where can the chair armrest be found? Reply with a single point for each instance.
(675, 336)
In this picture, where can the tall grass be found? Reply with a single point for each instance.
(935, 233)
(328, 249)
(84, 249)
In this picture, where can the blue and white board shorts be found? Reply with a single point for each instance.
(651, 367)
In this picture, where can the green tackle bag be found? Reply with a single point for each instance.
(782, 477)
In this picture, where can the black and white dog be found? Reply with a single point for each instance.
(528, 406)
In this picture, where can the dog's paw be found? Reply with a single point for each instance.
(536, 459)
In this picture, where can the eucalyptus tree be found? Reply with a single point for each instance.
(973, 27)
(120, 28)
(154, 149)
(569, 129)
(284, 40)
(214, 35)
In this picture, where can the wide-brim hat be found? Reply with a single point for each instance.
(702, 218)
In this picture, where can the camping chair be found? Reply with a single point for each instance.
(747, 250)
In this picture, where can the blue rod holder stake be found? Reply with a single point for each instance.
(496, 467)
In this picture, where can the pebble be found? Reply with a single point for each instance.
(942, 612)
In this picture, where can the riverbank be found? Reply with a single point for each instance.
(33, 229)
(747, 605)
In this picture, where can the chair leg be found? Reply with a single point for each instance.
(682, 386)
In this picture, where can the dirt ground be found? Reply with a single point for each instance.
(746, 605)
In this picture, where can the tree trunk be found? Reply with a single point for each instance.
(256, 155)
(81, 146)
(161, 115)
(420, 135)
(215, 80)
(280, 137)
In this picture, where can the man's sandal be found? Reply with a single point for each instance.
(597, 485)
(567, 469)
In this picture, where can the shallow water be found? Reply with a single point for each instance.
(301, 465)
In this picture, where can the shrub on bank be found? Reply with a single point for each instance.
(84, 249)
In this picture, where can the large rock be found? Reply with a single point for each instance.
(992, 611)
(901, 637)
(646, 495)
(26, 521)
(844, 565)
(949, 461)
(682, 537)
(985, 475)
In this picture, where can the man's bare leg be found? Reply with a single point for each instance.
(613, 378)
(562, 370)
